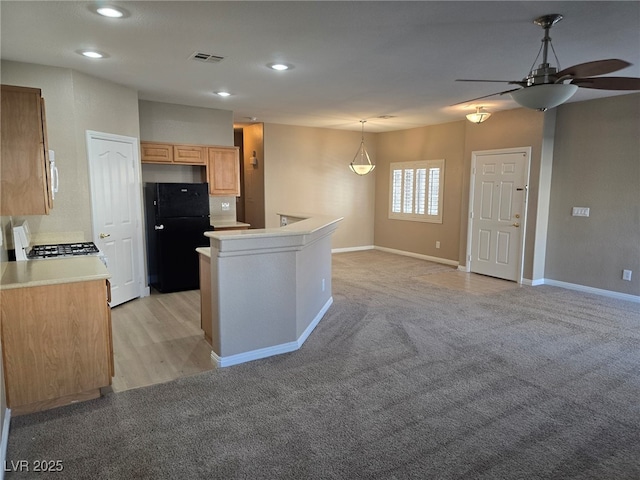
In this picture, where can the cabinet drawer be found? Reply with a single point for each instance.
(156, 152)
(189, 155)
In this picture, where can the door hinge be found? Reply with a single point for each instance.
(470, 214)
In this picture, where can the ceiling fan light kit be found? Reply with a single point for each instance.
(547, 87)
(543, 97)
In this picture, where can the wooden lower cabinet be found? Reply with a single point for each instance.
(205, 298)
(56, 344)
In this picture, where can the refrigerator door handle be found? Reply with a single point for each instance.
(159, 227)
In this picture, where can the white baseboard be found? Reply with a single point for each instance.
(5, 441)
(596, 291)
(464, 268)
(274, 350)
(445, 261)
(352, 249)
(533, 283)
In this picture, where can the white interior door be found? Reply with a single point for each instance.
(116, 209)
(498, 212)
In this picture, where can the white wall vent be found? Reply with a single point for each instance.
(206, 57)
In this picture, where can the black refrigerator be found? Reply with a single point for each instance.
(177, 215)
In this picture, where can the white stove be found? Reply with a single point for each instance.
(26, 251)
(63, 250)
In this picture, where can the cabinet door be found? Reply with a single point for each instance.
(224, 171)
(156, 152)
(24, 163)
(189, 155)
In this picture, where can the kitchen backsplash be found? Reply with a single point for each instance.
(223, 208)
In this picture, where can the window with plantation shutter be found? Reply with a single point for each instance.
(416, 191)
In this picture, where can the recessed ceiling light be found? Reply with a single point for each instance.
(92, 54)
(280, 66)
(223, 94)
(111, 12)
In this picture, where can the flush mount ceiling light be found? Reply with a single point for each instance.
(280, 66)
(479, 116)
(110, 11)
(361, 164)
(92, 54)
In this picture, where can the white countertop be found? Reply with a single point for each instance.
(306, 226)
(206, 251)
(35, 273)
(228, 224)
(260, 240)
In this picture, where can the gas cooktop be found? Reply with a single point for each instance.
(63, 250)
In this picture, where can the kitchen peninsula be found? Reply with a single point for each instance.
(269, 288)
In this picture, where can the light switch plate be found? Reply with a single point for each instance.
(580, 211)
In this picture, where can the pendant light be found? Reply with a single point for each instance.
(361, 164)
(480, 116)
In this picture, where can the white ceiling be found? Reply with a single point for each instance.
(353, 60)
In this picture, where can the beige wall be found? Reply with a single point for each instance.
(424, 143)
(167, 122)
(508, 129)
(253, 140)
(307, 171)
(171, 123)
(596, 165)
(455, 142)
(75, 102)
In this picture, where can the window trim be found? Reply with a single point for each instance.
(401, 197)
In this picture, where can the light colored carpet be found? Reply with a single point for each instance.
(403, 378)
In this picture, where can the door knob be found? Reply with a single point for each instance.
(105, 235)
(516, 224)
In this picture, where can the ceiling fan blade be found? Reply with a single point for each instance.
(608, 83)
(485, 96)
(498, 81)
(590, 69)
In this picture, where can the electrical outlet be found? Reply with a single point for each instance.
(437, 244)
(626, 275)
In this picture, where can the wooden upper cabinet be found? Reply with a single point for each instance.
(182, 154)
(224, 171)
(156, 152)
(24, 160)
(189, 154)
(222, 163)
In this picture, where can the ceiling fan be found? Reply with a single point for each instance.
(545, 87)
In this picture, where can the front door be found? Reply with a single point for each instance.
(116, 209)
(498, 212)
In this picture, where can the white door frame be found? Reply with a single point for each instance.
(143, 290)
(474, 156)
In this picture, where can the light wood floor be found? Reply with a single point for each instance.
(158, 338)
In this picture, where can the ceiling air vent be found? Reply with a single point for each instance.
(206, 57)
